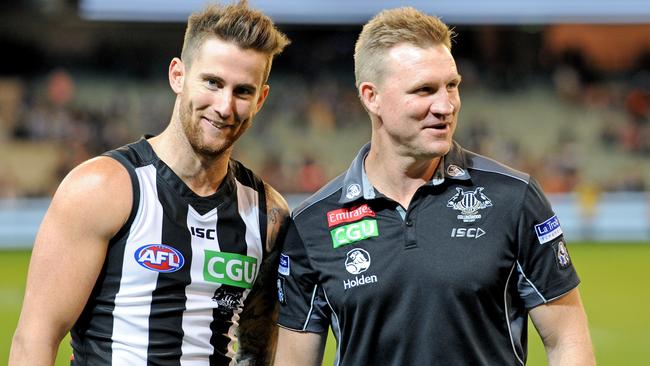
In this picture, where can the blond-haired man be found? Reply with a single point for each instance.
(163, 252)
(424, 253)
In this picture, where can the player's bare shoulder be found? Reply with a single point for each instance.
(277, 216)
(98, 192)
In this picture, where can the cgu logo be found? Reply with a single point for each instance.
(229, 268)
(159, 258)
(351, 233)
(200, 232)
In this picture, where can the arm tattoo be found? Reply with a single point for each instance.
(258, 331)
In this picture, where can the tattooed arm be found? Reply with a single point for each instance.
(257, 326)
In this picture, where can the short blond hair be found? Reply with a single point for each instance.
(236, 23)
(390, 28)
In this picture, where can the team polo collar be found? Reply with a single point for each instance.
(357, 185)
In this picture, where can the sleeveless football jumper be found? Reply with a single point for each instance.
(177, 274)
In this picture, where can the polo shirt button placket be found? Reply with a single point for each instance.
(409, 232)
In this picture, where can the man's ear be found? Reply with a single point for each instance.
(176, 75)
(369, 96)
(263, 94)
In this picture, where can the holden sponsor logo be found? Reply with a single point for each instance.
(469, 203)
(353, 190)
(463, 232)
(351, 233)
(359, 281)
(548, 230)
(229, 269)
(357, 261)
(342, 215)
(455, 171)
(159, 258)
(227, 299)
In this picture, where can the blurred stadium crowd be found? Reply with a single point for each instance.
(569, 104)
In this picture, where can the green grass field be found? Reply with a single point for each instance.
(614, 290)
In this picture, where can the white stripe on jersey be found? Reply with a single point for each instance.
(133, 299)
(248, 206)
(196, 345)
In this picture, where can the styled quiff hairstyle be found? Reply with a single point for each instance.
(390, 28)
(237, 23)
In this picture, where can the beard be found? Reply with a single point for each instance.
(193, 129)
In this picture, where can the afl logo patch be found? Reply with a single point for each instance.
(159, 258)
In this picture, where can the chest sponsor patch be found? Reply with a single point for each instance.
(284, 267)
(229, 269)
(548, 230)
(469, 203)
(351, 233)
(343, 215)
(159, 258)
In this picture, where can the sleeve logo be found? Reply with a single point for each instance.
(548, 230)
(284, 267)
(562, 256)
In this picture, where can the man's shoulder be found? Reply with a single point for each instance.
(328, 195)
(244, 175)
(479, 164)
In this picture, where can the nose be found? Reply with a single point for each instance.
(442, 105)
(223, 103)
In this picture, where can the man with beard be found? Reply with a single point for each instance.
(163, 251)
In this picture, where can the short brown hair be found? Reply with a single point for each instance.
(390, 28)
(236, 23)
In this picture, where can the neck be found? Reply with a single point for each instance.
(398, 177)
(202, 174)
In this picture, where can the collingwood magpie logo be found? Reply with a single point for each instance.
(468, 203)
(227, 299)
(354, 190)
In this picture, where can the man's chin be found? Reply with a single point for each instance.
(438, 149)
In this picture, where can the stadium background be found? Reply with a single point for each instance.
(560, 91)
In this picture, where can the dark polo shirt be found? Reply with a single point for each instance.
(448, 281)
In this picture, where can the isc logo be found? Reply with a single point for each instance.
(159, 258)
(200, 232)
(463, 232)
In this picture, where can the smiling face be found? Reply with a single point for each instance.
(416, 101)
(220, 93)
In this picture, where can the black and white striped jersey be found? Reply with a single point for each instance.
(177, 275)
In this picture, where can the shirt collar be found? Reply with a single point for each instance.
(356, 183)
